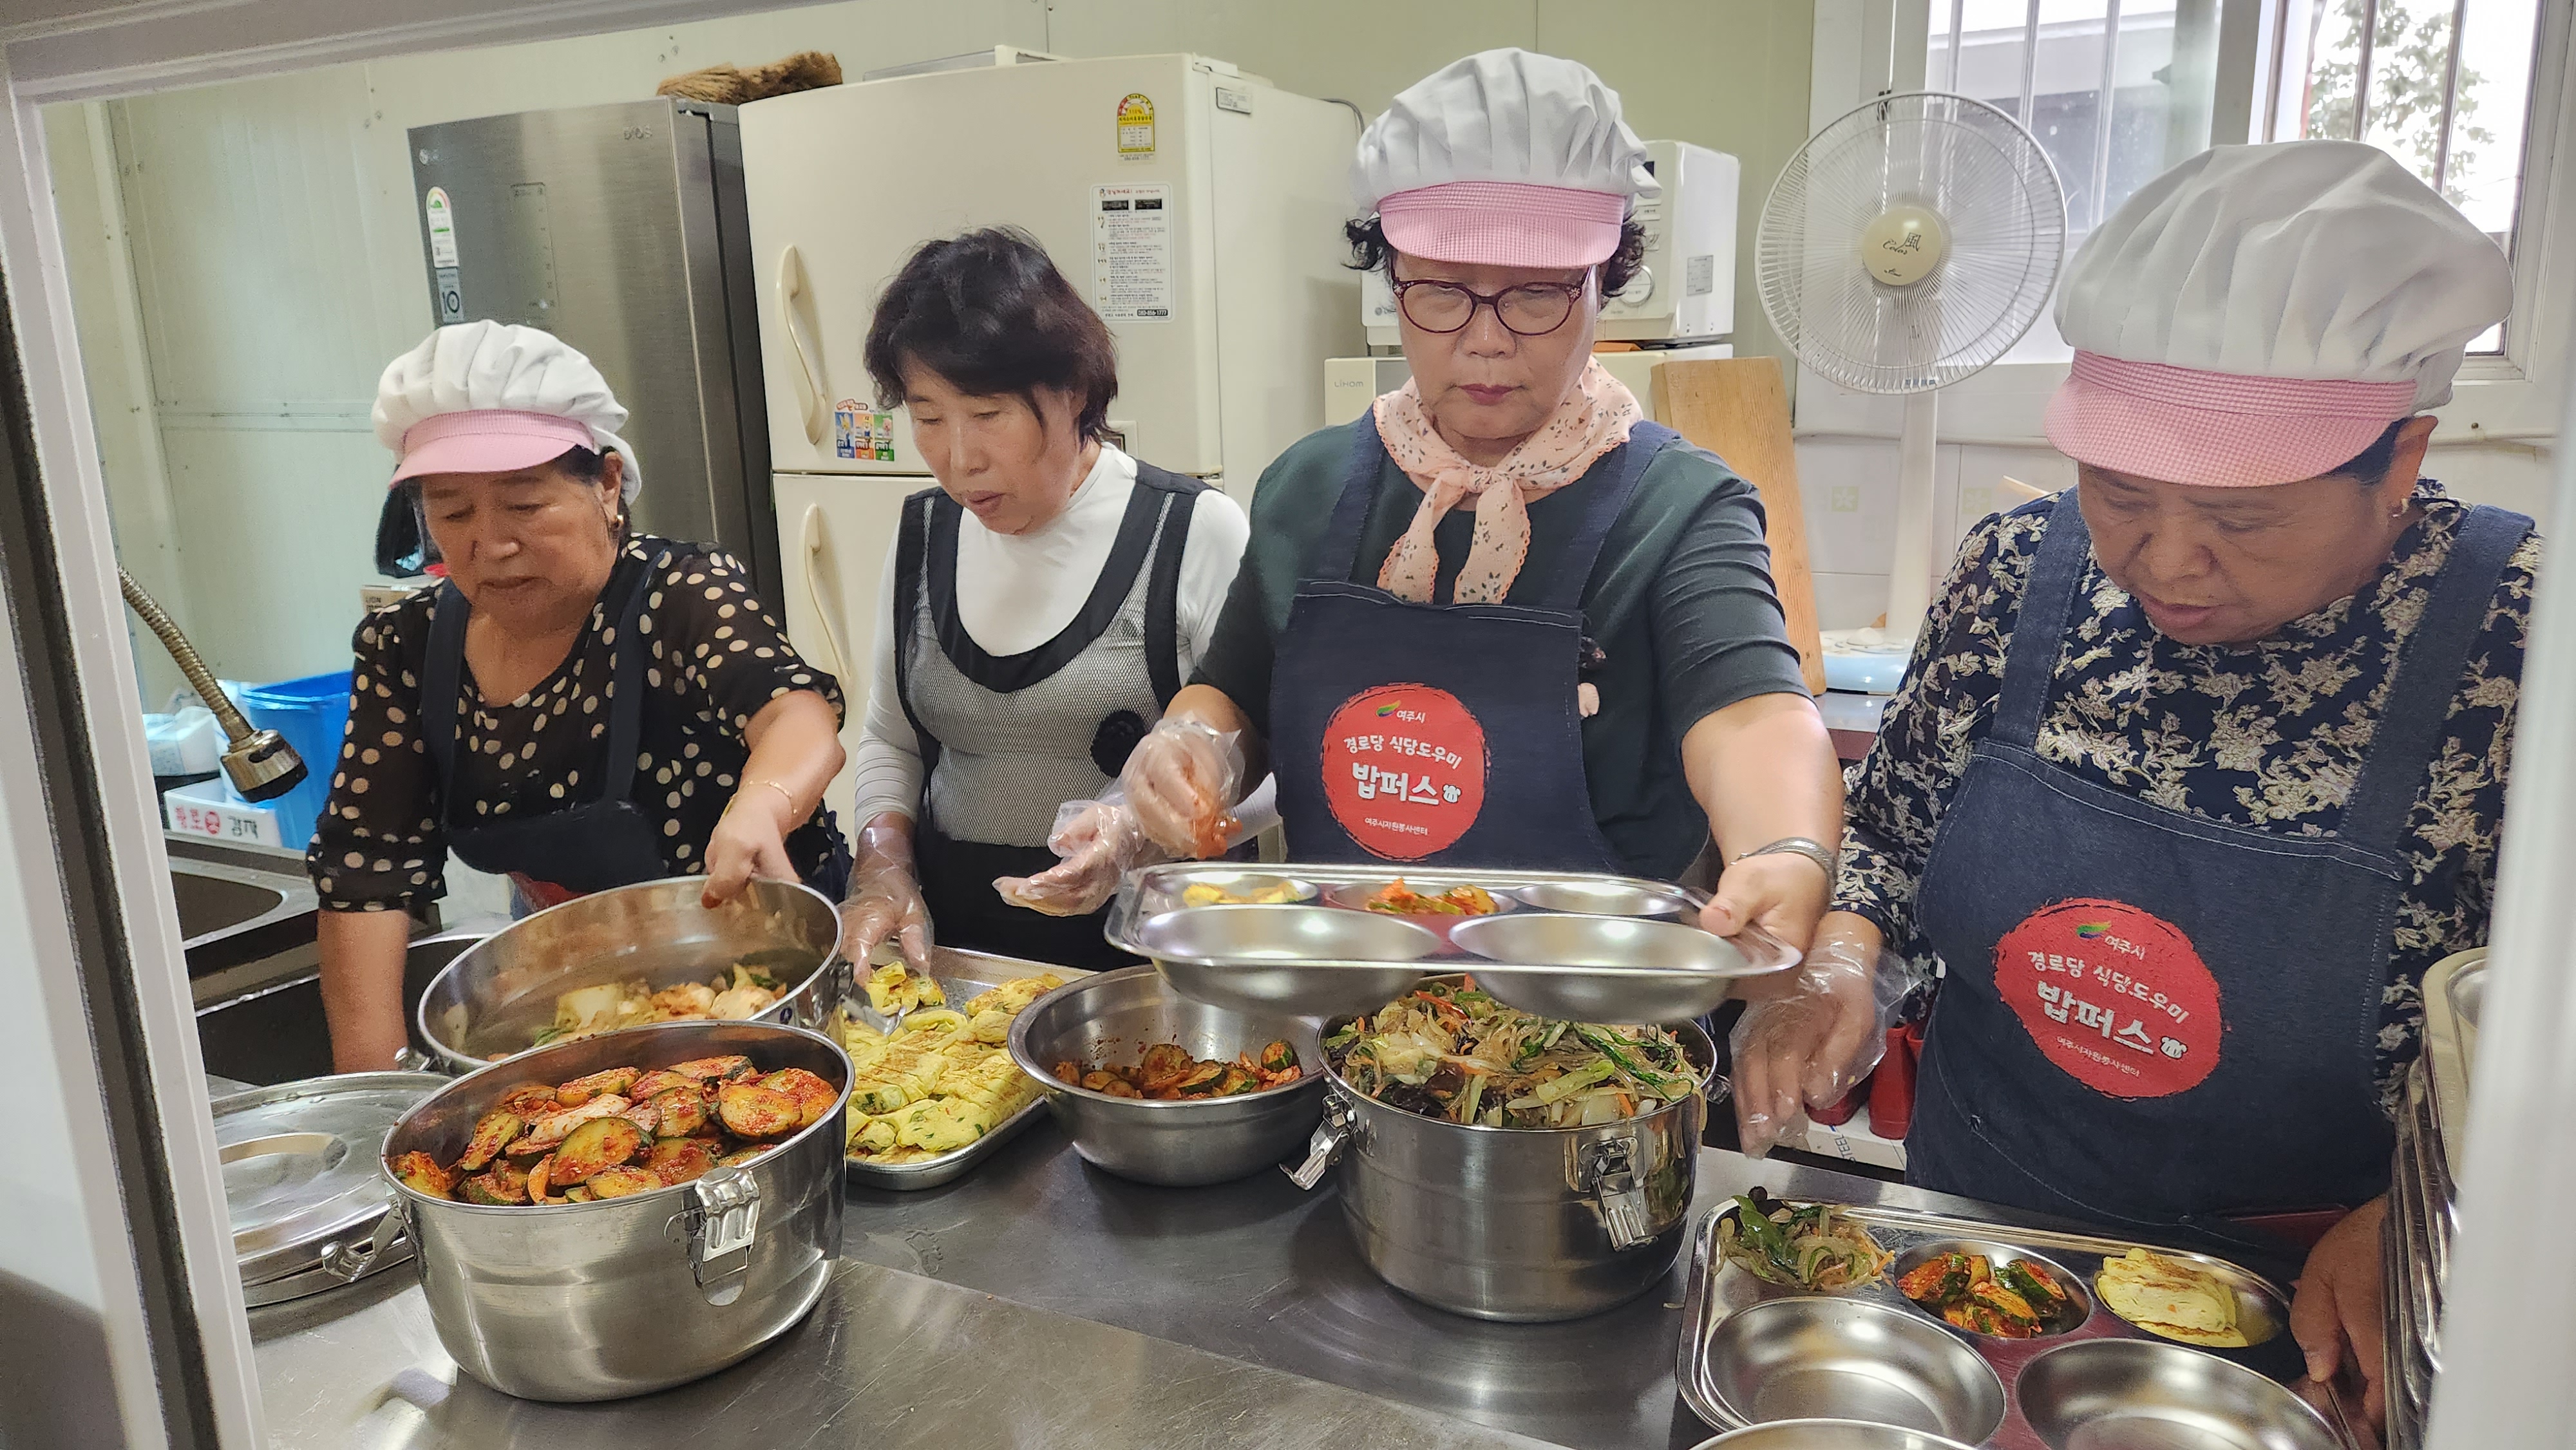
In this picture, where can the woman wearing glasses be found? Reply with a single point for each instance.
(1501, 620)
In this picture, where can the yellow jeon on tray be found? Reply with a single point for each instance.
(944, 1078)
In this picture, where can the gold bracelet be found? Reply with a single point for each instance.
(784, 792)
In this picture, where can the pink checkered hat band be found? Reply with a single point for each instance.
(487, 440)
(2212, 429)
(1504, 224)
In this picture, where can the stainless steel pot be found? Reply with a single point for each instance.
(498, 994)
(594, 1301)
(1521, 1224)
(1179, 1144)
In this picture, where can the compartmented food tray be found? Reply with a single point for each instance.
(1304, 939)
(2454, 995)
(1753, 1351)
(960, 975)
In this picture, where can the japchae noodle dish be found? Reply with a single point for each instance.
(1453, 1052)
(1811, 1246)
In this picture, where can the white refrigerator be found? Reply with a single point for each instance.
(1198, 208)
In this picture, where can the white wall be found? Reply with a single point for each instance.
(259, 236)
(1849, 488)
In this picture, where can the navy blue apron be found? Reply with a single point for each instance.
(2157, 1020)
(1424, 732)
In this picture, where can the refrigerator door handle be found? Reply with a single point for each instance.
(809, 372)
(810, 544)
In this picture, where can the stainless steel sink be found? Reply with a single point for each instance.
(235, 909)
(276, 1033)
(210, 905)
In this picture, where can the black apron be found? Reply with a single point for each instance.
(2154, 1020)
(588, 846)
(956, 876)
(1441, 733)
(593, 844)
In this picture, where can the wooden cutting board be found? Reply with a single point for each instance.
(1738, 409)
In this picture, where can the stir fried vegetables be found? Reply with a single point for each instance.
(2014, 1299)
(590, 1011)
(1167, 1071)
(1398, 899)
(1816, 1247)
(1453, 1052)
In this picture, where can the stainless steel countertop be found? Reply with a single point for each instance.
(1040, 1302)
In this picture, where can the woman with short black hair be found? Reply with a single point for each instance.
(1042, 605)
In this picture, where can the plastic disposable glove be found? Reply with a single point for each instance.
(1807, 1044)
(885, 897)
(1180, 785)
(1100, 843)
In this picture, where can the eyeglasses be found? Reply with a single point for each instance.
(1532, 309)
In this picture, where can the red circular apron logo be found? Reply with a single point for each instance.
(2115, 996)
(1404, 770)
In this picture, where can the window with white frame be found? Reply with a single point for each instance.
(2118, 90)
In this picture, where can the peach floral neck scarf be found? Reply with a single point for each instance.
(1592, 420)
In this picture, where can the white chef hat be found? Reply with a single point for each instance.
(2260, 314)
(1506, 158)
(488, 397)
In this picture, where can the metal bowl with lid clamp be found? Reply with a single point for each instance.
(1515, 1224)
(622, 1296)
(497, 995)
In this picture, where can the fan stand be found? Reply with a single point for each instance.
(1910, 572)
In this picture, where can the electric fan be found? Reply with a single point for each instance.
(1907, 245)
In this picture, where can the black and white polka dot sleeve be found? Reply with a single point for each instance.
(718, 645)
(378, 846)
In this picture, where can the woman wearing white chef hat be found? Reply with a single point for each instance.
(578, 706)
(2199, 767)
(1501, 620)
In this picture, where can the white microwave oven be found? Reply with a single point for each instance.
(1686, 291)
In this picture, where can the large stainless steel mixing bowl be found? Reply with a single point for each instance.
(595, 1301)
(498, 994)
(1114, 1017)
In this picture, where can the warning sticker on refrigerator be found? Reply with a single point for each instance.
(859, 433)
(1135, 127)
(442, 227)
(1131, 253)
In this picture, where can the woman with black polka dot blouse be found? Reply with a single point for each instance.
(577, 707)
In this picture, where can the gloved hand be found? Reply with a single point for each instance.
(1180, 785)
(885, 897)
(1804, 1043)
(1100, 842)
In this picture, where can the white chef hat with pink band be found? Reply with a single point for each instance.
(1505, 158)
(2261, 314)
(493, 397)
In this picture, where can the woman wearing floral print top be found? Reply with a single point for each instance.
(2198, 766)
(574, 707)
(2257, 736)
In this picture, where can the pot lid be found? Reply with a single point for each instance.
(300, 1163)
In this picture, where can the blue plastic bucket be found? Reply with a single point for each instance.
(313, 714)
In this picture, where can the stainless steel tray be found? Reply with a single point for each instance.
(2454, 991)
(961, 975)
(1717, 1290)
(1633, 953)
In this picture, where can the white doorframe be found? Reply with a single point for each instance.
(123, 49)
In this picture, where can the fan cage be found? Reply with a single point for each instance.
(1993, 185)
